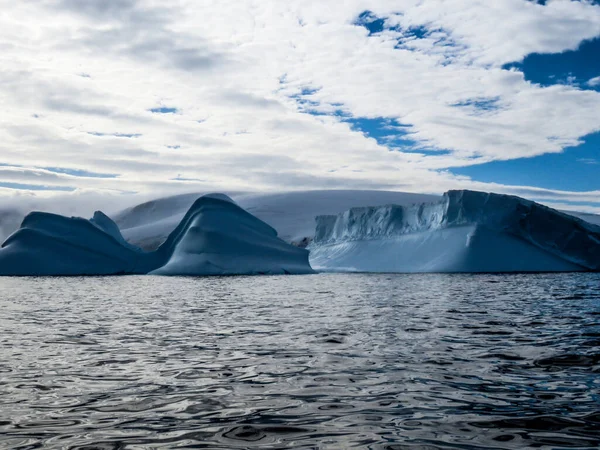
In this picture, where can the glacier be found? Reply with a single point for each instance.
(466, 231)
(215, 237)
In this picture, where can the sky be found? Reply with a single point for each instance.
(144, 97)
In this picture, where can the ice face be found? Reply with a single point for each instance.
(460, 233)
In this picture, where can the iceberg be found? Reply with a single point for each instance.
(462, 231)
(466, 231)
(215, 237)
(49, 244)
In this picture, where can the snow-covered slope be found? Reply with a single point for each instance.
(292, 214)
(216, 236)
(466, 231)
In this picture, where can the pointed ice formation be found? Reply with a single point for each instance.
(216, 237)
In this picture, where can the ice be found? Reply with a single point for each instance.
(463, 231)
(292, 214)
(466, 231)
(49, 244)
(216, 236)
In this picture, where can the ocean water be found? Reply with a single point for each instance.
(323, 361)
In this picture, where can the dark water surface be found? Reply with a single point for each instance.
(324, 361)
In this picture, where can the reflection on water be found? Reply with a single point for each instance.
(324, 361)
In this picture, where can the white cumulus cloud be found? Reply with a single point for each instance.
(188, 96)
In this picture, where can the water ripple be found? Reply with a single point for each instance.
(325, 361)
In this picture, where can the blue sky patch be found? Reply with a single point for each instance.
(79, 173)
(418, 32)
(391, 134)
(386, 132)
(35, 187)
(576, 169)
(479, 105)
(371, 22)
(164, 110)
(309, 105)
(405, 37)
(574, 67)
(120, 135)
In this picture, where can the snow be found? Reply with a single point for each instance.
(460, 249)
(105, 224)
(466, 231)
(216, 236)
(292, 214)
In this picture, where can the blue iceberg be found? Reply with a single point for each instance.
(466, 231)
(216, 237)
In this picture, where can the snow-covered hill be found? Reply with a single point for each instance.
(292, 214)
(466, 231)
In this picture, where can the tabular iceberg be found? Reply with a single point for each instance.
(466, 231)
(216, 237)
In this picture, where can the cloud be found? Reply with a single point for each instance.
(138, 30)
(594, 82)
(264, 92)
(503, 31)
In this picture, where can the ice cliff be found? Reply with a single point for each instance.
(216, 237)
(466, 231)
